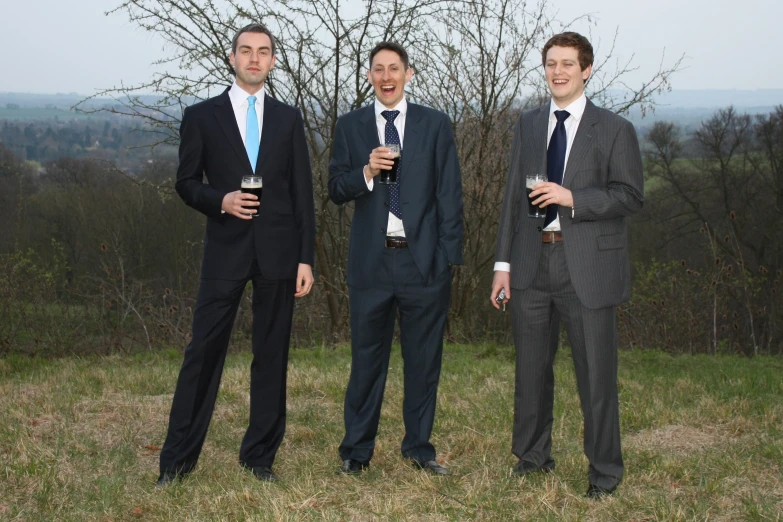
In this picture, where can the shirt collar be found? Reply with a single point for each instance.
(576, 108)
(402, 107)
(238, 95)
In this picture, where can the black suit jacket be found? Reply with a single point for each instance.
(283, 234)
(430, 192)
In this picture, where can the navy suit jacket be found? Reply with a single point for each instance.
(430, 192)
(283, 234)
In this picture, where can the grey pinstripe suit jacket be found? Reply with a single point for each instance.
(604, 174)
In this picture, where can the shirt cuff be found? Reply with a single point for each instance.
(371, 183)
(502, 267)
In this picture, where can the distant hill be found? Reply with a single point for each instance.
(689, 108)
(41, 107)
(685, 107)
(722, 98)
(58, 100)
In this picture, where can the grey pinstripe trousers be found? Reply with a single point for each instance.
(592, 334)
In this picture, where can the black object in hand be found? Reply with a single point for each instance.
(499, 299)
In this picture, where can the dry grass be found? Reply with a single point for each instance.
(681, 440)
(80, 437)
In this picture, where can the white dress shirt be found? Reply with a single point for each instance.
(238, 98)
(394, 225)
(576, 110)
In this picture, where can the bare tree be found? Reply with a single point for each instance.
(729, 185)
(478, 61)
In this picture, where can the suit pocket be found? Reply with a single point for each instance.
(611, 242)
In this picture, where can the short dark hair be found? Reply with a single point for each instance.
(253, 28)
(390, 46)
(571, 39)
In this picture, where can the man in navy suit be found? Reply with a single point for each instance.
(404, 240)
(269, 242)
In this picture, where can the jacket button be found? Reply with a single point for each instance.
(383, 230)
(385, 204)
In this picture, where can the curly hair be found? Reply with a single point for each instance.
(571, 39)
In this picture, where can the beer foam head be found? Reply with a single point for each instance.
(532, 180)
(252, 184)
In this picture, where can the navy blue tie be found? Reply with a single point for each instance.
(555, 160)
(392, 136)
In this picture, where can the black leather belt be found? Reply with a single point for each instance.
(396, 242)
(551, 237)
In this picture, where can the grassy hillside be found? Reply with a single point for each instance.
(79, 441)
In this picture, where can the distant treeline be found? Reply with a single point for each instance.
(114, 138)
(95, 260)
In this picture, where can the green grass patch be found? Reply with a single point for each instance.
(701, 439)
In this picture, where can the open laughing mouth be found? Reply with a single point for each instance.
(388, 89)
(559, 82)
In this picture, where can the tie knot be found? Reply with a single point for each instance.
(562, 115)
(390, 115)
(251, 100)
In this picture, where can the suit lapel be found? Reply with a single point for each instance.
(540, 135)
(412, 136)
(582, 142)
(224, 113)
(268, 135)
(369, 130)
(412, 141)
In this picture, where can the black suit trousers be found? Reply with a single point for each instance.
(591, 333)
(199, 377)
(399, 285)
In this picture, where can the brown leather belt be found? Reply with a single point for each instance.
(551, 237)
(393, 242)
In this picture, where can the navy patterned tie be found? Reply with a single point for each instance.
(392, 136)
(555, 160)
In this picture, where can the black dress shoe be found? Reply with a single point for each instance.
(264, 473)
(433, 467)
(525, 468)
(597, 492)
(166, 478)
(352, 467)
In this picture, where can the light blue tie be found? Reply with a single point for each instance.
(252, 141)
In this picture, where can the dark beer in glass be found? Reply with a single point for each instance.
(253, 185)
(389, 177)
(532, 180)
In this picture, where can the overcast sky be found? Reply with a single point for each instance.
(51, 46)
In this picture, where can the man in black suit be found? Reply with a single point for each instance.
(404, 240)
(269, 242)
(573, 263)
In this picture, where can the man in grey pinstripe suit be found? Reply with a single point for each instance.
(573, 264)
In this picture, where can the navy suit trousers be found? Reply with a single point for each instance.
(423, 311)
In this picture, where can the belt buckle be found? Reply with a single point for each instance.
(550, 236)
